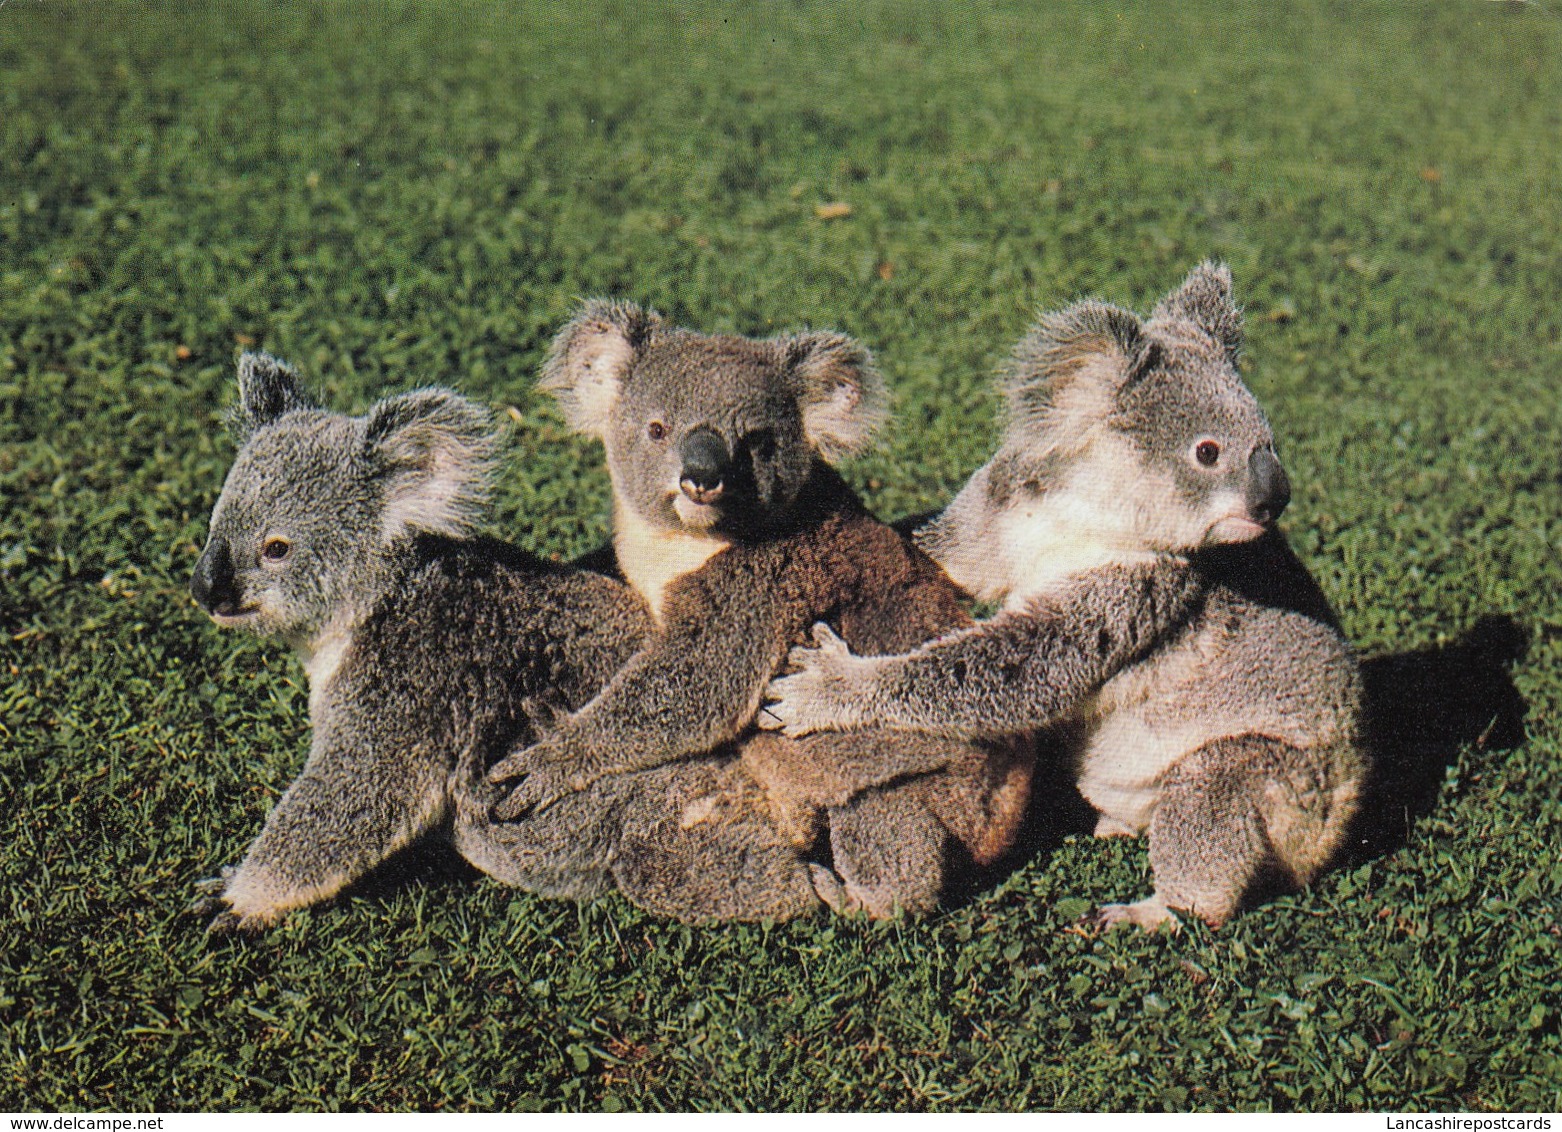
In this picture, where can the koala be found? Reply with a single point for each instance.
(430, 652)
(1127, 524)
(732, 524)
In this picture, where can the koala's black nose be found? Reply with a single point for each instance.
(1269, 490)
(706, 463)
(214, 586)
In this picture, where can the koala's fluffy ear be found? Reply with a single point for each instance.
(1075, 356)
(590, 358)
(434, 452)
(1204, 298)
(268, 388)
(841, 393)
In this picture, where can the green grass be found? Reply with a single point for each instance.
(392, 196)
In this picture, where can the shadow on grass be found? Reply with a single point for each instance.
(431, 862)
(1422, 709)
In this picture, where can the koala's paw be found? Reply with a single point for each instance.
(832, 891)
(1150, 914)
(543, 782)
(229, 922)
(848, 899)
(823, 692)
(215, 886)
(523, 761)
(210, 901)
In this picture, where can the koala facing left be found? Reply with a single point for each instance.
(429, 653)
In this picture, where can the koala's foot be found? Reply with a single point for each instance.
(1151, 914)
(704, 874)
(1212, 837)
(833, 892)
(209, 900)
(214, 886)
(229, 922)
(544, 716)
(254, 896)
(889, 852)
(212, 901)
(847, 899)
(1110, 827)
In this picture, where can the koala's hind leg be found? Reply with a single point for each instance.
(1232, 813)
(801, 776)
(565, 851)
(699, 845)
(889, 853)
(981, 798)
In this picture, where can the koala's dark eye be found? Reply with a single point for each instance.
(1207, 453)
(276, 549)
(656, 430)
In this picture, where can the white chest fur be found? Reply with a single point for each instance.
(322, 656)
(653, 559)
(1045, 541)
(1085, 525)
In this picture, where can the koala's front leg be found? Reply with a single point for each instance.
(346, 813)
(690, 690)
(1023, 670)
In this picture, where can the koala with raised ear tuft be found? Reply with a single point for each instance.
(430, 653)
(730, 521)
(1127, 524)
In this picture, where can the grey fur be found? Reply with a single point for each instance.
(732, 525)
(429, 653)
(1150, 606)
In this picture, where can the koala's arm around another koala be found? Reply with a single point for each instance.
(1021, 670)
(696, 684)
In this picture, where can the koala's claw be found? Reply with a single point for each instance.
(826, 646)
(211, 902)
(205, 906)
(822, 691)
(215, 886)
(525, 762)
(768, 720)
(227, 922)
(230, 923)
(209, 898)
(794, 706)
(1150, 915)
(540, 790)
(543, 781)
(829, 888)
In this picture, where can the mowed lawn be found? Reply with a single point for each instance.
(392, 196)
